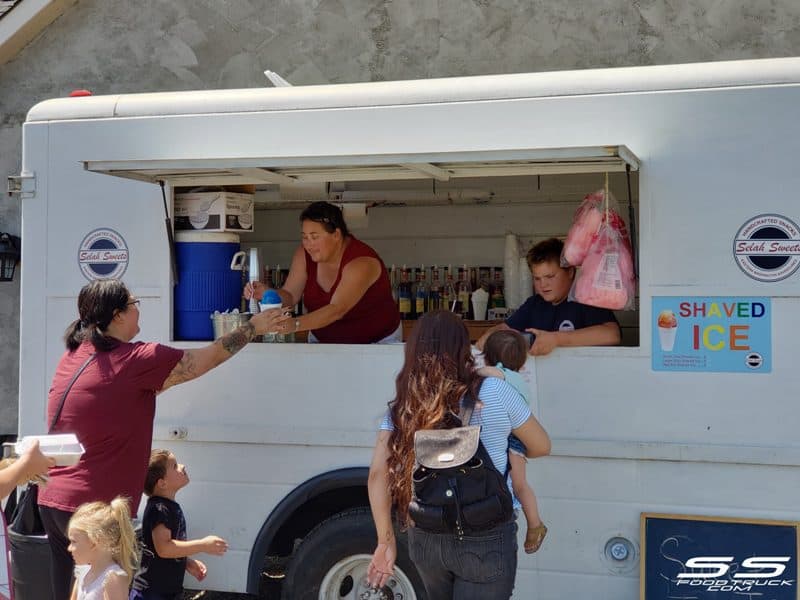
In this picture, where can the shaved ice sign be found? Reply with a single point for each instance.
(712, 334)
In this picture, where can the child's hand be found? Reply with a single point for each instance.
(196, 569)
(545, 342)
(213, 544)
(35, 463)
(491, 372)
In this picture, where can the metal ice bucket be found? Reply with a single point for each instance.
(224, 323)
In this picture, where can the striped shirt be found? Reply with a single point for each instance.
(503, 410)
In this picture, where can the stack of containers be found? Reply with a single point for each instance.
(511, 284)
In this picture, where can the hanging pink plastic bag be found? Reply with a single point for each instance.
(606, 278)
(591, 214)
(585, 224)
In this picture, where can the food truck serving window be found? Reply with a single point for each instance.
(454, 211)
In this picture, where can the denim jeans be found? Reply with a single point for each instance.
(477, 567)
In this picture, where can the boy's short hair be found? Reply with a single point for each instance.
(507, 346)
(545, 251)
(156, 469)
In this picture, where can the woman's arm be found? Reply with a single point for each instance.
(532, 434)
(381, 566)
(32, 463)
(357, 276)
(201, 360)
(605, 334)
(292, 289)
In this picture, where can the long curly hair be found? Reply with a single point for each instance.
(437, 371)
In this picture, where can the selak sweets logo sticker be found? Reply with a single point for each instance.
(767, 248)
(103, 254)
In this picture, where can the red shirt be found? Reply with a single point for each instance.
(374, 316)
(110, 408)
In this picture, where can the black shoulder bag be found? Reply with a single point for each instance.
(26, 519)
(456, 487)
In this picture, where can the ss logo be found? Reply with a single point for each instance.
(722, 565)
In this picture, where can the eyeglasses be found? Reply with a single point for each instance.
(133, 302)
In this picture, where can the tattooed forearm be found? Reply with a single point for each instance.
(198, 361)
(238, 339)
(185, 370)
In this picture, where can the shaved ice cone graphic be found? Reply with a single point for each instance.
(667, 328)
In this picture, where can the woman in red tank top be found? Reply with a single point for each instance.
(343, 282)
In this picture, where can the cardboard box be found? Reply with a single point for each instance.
(214, 211)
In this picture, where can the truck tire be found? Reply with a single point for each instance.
(331, 563)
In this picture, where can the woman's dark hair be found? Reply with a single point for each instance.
(98, 302)
(506, 346)
(437, 371)
(326, 214)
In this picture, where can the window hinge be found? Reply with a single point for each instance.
(23, 185)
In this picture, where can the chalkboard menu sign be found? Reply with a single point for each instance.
(715, 558)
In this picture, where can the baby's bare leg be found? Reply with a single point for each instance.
(523, 491)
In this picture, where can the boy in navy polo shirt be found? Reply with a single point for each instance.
(550, 316)
(166, 553)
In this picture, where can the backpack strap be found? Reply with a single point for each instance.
(467, 408)
(69, 387)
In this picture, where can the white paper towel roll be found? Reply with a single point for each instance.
(525, 280)
(511, 271)
(355, 215)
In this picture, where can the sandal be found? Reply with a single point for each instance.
(534, 538)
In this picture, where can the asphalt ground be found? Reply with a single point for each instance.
(195, 595)
(270, 592)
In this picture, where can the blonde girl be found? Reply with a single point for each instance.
(103, 544)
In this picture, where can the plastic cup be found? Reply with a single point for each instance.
(271, 299)
(479, 308)
(480, 301)
(666, 336)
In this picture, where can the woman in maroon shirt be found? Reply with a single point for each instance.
(343, 282)
(111, 405)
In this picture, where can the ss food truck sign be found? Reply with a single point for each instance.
(718, 558)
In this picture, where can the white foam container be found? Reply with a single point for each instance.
(64, 447)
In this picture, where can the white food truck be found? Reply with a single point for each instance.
(278, 439)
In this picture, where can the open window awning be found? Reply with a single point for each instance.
(439, 167)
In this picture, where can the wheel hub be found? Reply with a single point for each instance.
(347, 580)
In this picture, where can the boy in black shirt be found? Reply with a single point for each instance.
(550, 316)
(166, 552)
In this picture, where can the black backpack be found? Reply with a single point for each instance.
(456, 487)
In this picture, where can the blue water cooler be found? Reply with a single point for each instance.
(205, 281)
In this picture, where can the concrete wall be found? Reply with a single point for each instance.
(111, 46)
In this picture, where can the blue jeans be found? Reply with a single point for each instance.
(478, 567)
(516, 446)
